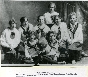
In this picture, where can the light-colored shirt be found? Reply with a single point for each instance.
(28, 28)
(54, 48)
(78, 36)
(48, 17)
(45, 28)
(6, 40)
(63, 29)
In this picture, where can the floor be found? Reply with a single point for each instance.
(82, 62)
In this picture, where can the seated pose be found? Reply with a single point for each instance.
(24, 30)
(50, 15)
(31, 45)
(75, 38)
(44, 53)
(43, 45)
(10, 38)
(53, 43)
(42, 29)
(60, 28)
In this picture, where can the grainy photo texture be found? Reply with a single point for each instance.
(43, 33)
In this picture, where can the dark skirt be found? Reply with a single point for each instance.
(74, 51)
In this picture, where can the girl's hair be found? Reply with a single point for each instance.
(69, 16)
(23, 19)
(12, 20)
(39, 17)
(72, 14)
(55, 18)
(48, 34)
(51, 4)
(32, 33)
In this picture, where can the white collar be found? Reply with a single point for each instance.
(41, 26)
(74, 24)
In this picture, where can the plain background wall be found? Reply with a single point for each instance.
(29, 9)
(18, 9)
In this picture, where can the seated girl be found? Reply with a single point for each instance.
(41, 28)
(30, 49)
(53, 43)
(24, 31)
(75, 37)
(60, 28)
(10, 39)
(58, 47)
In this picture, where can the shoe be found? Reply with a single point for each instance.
(73, 62)
(84, 54)
(28, 61)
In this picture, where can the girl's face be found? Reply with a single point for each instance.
(57, 20)
(51, 8)
(73, 19)
(41, 20)
(24, 24)
(52, 37)
(32, 38)
(12, 25)
(43, 45)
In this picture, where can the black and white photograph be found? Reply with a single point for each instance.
(41, 33)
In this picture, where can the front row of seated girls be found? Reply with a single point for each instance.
(66, 44)
(39, 31)
(42, 46)
(31, 41)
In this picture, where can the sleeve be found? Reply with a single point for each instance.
(30, 27)
(52, 28)
(3, 41)
(78, 35)
(47, 49)
(20, 31)
(47, 29)
(2, 36)
(35, 28)
(21, 34)
(57, 13)
(18, 37)
(65, 35)
(45, 15)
